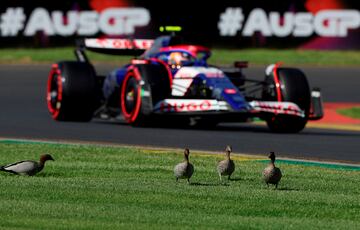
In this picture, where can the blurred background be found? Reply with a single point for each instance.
(305, 24)
(320, 37)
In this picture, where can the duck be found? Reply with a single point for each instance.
(27, 167)
(272, 174)
(185, 169)
(226, 167)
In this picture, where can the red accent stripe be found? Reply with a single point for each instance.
(138, 99)
(277, 82)
(230, 91)
(131, 117)
(54, 70)
(139, 61)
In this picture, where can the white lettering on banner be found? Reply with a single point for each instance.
(304, 26)
(60, 27)
(88, 23)
(124, 20)
(112, 21)
(281, 30)
(337, 21)
(39, 21)
(12, 21)
(327, 23)
(259, 23)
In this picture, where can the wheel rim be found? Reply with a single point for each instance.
(130, 97)
(54, 91)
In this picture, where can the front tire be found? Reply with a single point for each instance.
(293, 87)
(130, 99)
(142, 88)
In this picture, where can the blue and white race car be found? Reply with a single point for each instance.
(171, 81)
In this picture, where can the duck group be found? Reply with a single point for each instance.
(184, 170)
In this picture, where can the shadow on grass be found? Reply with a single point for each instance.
(244, 179)
(236, 179)
(207, 184)
(281, 188)
(36, 175)
(49, 174)
(287, 189)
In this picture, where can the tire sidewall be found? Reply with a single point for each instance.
(132, 116)
(76, 91)
(151, 78)
(294, 87)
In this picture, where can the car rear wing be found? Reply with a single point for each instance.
(132, 47)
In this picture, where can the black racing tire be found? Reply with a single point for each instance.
(294, 87)
(72, 91)
(142, 88)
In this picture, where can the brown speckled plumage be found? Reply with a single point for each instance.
(226, 167)
(185, 169)
(272, 174)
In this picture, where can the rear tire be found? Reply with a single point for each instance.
(294, 87)
(72, 91)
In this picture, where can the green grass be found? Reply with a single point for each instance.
(220, 56)
(50, 55)
(93, 187)
(352, 112)
(289, 57)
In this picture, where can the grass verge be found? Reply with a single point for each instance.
(220, 56)
(94, 187)
(352, 112)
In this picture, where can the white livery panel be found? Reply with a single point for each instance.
(107, 43)
(184, 77)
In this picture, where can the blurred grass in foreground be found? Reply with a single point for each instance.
(94, 187)
(219, 57)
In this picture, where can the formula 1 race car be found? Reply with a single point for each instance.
(172, 81)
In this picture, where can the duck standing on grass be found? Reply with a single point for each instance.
(272, 174)
(226, 167)
(28, 167)
(185, 169)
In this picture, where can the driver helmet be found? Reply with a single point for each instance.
(177, 58)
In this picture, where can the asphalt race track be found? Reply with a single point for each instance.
(24, 114)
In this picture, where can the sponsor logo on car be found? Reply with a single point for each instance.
(108, 43)
(189, 105)
(275, 107)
